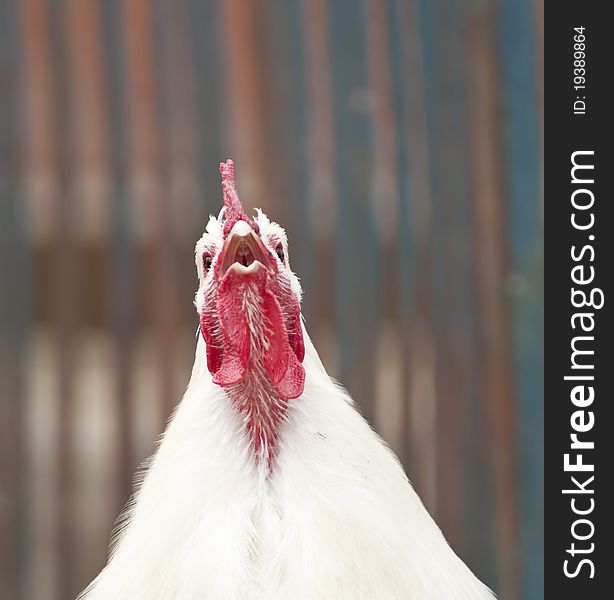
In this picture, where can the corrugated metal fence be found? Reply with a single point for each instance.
(399, 143)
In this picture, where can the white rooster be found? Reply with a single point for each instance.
(268, 484)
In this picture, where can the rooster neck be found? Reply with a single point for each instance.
(262, 409)
(262, 412)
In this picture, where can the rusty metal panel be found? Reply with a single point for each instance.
(398, 141)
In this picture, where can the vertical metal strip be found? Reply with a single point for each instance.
(66, 292)
(322, 193)
(149, 190)
(523, 173)
(122, 267)
(205, 31)
(415, 247)
(89, 187)
(493, 328)
(384, 211)
(247, 77)
(15, 317)
(357, 253)
(182, 124)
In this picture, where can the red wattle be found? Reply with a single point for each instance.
(235, 330)
(292, 383)
(214, 352)
(231, 371)
(286, 349)
(228, 361)
(295, 332)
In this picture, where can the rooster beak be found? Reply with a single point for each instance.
(244, 251)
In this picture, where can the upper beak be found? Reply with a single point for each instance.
(244, 248)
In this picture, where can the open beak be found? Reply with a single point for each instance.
(244, 251)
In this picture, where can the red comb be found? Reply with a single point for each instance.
(234, 209)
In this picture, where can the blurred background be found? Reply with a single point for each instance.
(399, 142)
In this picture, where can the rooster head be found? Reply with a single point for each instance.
(248, 298)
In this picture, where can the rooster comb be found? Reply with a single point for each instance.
(234, 210)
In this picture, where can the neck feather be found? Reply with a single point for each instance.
(263, 410)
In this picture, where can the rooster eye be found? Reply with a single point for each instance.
(280, 252)
(207, 262)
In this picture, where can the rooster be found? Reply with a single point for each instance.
(268, 484)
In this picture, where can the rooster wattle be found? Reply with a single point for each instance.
(268, 484)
